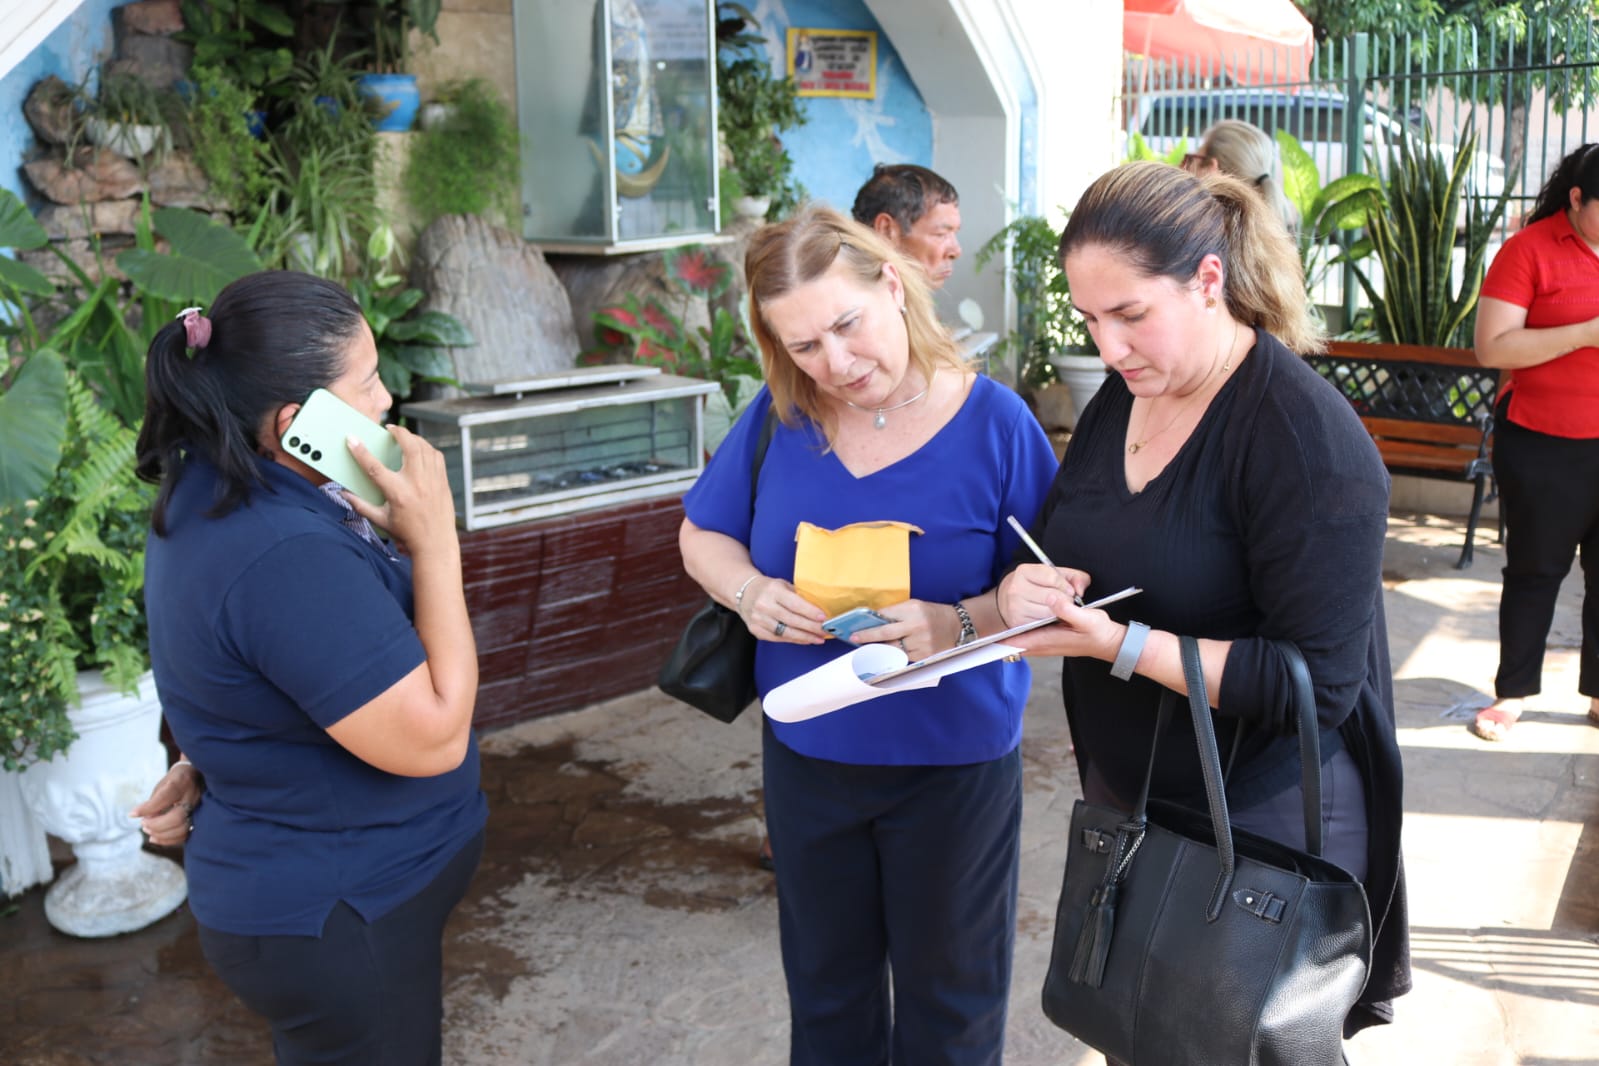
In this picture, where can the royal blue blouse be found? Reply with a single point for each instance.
(990, 460)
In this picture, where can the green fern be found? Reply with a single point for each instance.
(71, 577)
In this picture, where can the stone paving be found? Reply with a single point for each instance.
(619, 919)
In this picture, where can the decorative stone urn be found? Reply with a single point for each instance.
(24, 853)
(752, 208)
(1083, 375)
(84, 796)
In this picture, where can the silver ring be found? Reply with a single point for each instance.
(780, 628)
(902, 646)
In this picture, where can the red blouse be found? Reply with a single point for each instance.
(1550, 270)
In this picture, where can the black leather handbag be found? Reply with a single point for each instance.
(712, 667)
(1180, 941)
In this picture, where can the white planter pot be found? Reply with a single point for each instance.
(752, 208)
(84, 797)
(24, 853)
(123, 138)
(1083, 375)
(434, 114)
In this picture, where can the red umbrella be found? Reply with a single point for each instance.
(1255, 41)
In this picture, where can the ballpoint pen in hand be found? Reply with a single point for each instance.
(1032, 546)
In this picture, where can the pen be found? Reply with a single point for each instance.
(1032, 546)
(1131, 590)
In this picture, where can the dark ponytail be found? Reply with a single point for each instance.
(1579, 170)
(275, 337)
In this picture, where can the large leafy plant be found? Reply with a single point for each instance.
(247, 38)
(1325, 211)
(648, 332)
(753, 109)
(73, 517)
(468, 164)
(72, 577)
(412, 345)
(1411, 234)
(1046, 324)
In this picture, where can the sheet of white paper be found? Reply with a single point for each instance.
(838, 684)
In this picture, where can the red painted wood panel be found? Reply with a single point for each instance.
(572, 610)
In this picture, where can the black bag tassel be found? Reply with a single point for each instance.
(1093, 942)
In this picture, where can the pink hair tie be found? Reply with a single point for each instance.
(196, 327)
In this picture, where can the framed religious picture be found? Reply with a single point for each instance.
(833, 62)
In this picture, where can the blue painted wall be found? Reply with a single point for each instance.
(74, 49)
(835, 150)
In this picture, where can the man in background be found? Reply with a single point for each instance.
(917, 211)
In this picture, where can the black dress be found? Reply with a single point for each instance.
(1267, 524)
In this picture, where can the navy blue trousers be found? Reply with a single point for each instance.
(361, 994)
(1549, 496)
(902, 877)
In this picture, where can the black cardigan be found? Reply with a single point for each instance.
(1267, 524)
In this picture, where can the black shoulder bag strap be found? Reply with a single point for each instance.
(762, 442)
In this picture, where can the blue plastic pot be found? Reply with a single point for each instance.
(396, 99)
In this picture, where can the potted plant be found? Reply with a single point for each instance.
(753, 108)
(648, 332)
(1050, 341)
(78, 698)
(79, 708)
(412, 345)
(390, 87)
(220, 125)
(246, 39)
(467, 162)
(127, 116)
(1413, 222)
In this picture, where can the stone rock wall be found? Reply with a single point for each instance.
(94, 194)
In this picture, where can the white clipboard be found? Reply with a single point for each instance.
(982, 642)
(872, 670)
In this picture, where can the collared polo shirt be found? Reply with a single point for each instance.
(1551, 271)
(269, 624)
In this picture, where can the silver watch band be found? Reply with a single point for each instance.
(968, 630)
(1132, 647)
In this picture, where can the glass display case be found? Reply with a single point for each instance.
(617, 110)
(568, 441)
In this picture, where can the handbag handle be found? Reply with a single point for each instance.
(1303, 697)
(762, 442)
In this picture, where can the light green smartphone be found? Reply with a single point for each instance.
(317, 435)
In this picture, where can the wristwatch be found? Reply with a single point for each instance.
(968, 631)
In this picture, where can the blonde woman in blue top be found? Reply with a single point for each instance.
(321, 680)
(895, 822)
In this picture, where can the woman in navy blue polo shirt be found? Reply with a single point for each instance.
(321, 680)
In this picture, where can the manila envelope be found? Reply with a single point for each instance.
(864, 564)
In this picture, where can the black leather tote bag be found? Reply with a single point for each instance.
(1180, 941)
(712, 667)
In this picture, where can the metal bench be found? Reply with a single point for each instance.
(1429, 410)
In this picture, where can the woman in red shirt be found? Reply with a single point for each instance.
(1539, 319)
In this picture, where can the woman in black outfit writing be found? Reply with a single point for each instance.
(1222, 475)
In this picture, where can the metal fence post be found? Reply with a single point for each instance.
(1357, 71)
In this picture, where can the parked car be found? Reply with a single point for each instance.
(1315, 117)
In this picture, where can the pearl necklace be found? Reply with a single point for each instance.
(878, 421)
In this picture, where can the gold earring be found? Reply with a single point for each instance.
(1210, 303)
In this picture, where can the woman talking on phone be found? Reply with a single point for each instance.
(321, 681)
